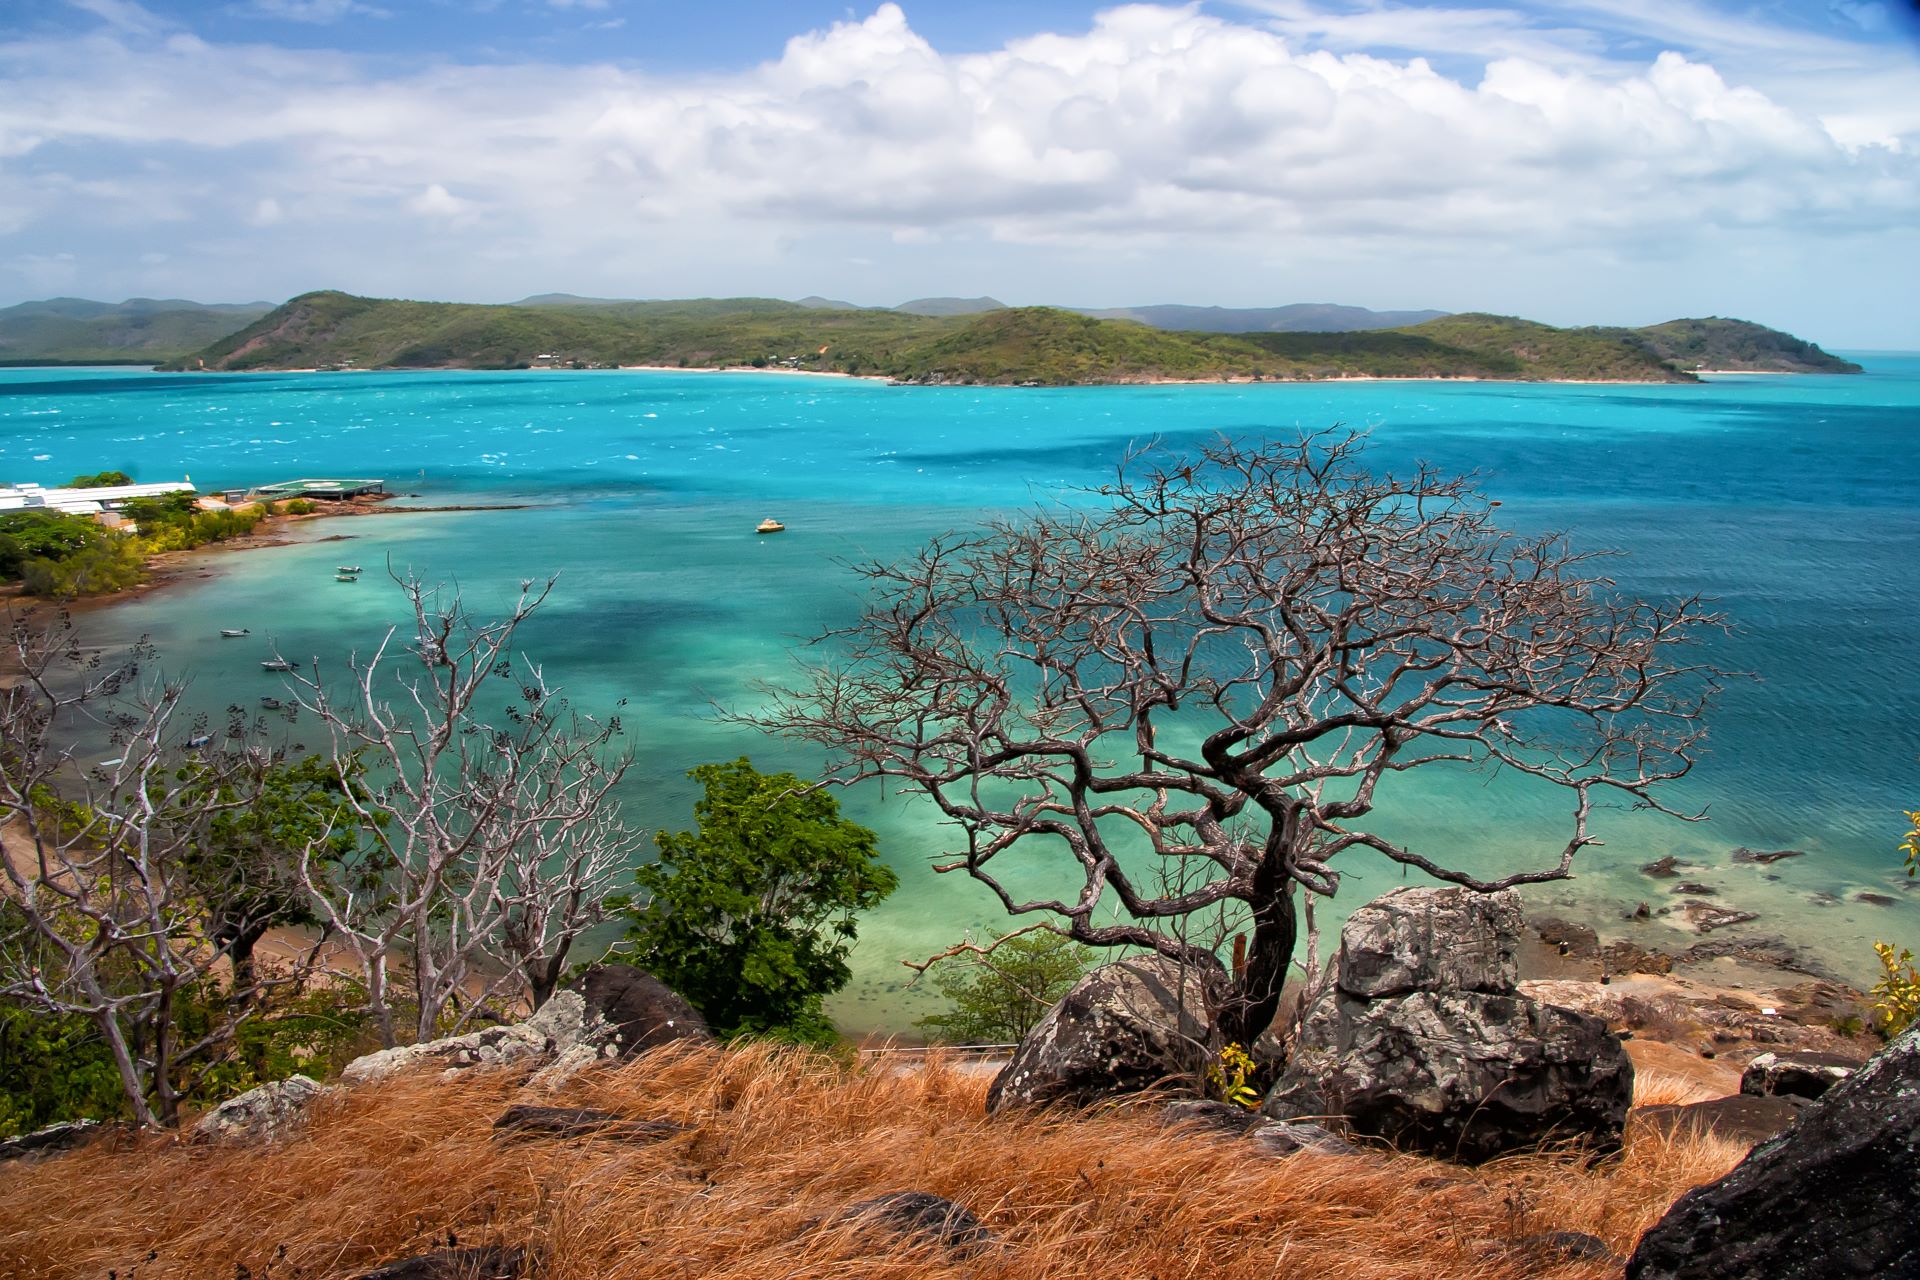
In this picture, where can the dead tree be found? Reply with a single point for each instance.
(1217, 660)
(106, 912)
(492, 831)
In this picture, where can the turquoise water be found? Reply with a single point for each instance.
(1790, 500)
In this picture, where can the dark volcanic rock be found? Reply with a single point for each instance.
(1740, 1118)
(1696, 889)
(1874, 899)
(1706, 917)
(1576, 940)
(65, 1136)
(1664, 868)
(486, 1262)
(1222, 1117)
(643, 1011)
(1284, 1137)
(929, 1217)
(1802, 1074)
(1125, 1027)
(1450, 1059)
(527, 1121)
(1766, 858)
(1832, 1197)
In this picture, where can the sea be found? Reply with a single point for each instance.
(1789, 500)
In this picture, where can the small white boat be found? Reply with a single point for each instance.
(345, 577)
(271, 704)
(769, 526)
(347, 568)
(233, 634)
(200, 741)
(276, 664)
(111, 764)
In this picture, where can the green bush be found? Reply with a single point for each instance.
(999, 997)
(751, 916)
(299, 506)
(100, 480)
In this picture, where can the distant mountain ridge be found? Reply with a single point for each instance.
(137, 331)
(1298, 317)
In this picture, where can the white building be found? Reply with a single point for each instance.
(83, 502)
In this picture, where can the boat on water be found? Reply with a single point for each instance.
(233, 633)
(345, 577)
(277, 664)
(200, 740)
(271, 704)
(347, 568)
(769, 526)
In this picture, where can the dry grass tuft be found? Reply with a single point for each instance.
(783, 1143)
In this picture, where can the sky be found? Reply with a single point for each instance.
(1573, 161)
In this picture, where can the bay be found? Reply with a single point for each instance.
(1788, 499)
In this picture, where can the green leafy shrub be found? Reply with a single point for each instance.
(999, 996)
(751, 916)
(299, 506)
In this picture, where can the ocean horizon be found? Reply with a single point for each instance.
(1787, 499)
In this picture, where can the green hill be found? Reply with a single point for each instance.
(137, 331)
(1733, 345)
(1019, 345)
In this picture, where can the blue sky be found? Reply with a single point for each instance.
(1611, 161)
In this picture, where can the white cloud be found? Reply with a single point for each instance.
(1155, 130)
(312, 12)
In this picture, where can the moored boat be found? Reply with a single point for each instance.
(769, 526)
(233, 633)
(345, 577)
(271, 704)
(277, 664)
(347, 568)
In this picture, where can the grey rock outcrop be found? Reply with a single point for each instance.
(65, 1136)
(1803, 1074)
(1423, 1038)
(1743, 1117)
(1832, 1197)
(640, 1011)
(262, 1113)
(928, 1217)
(1125, 1027)
(560, 1025)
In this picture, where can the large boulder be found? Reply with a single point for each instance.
(1804, 1074)
(1423, 1038)
(260, 1113)
(1125, 1027)
(1831, 1197)
(560, 1025)
(640, 1011)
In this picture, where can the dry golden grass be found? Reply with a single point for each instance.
(783, 1142)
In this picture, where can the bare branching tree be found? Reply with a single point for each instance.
(493, 834)
(108, 908)
(1218, 663)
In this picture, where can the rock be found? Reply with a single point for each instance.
(1431, 940)
(1696, 889)
(1285, 1137)
(1222, 1117)
(1622, 956)
(1664, 868)
(485, 1262)
(1874, 899)
(65, 1136)
(1766, 859)
(558, 1026)
(642, 1011)
(1803, 1074)
(1433, 1064)
(930, 1217)
(528, 1121)
(1770, 951)
(1125, 1027)
(1831, 1197)
(260, 1114)
(1461, 1075)
(1577, 940)
(1739, 1118)
(1551, 1247)
(1706, 917)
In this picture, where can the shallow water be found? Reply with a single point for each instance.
(1788, 499)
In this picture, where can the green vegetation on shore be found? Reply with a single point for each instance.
(1019, 345)
(57, 555)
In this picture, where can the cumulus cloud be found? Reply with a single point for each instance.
(1153, 126)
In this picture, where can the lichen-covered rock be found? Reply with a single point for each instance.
(1831, 1197)
(260, 1114)
(1431, 940)
(1423, 1038)
(1125, 1027)
(65, 1136)
(1461, 1075)
(1803, 1074)
(641, 1011)
(530, 1122)
(559, 1025)
(1285, 1137)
